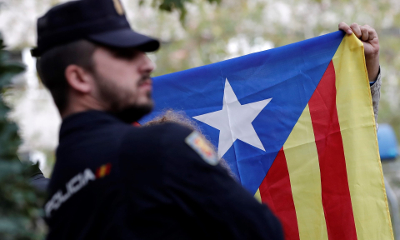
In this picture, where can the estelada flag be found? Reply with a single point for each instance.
(296, 126)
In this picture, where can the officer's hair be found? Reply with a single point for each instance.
(52, 64)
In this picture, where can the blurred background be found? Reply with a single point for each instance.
(205, 32)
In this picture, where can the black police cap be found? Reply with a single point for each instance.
(100, 21)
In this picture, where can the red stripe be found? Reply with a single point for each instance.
(276, 192)
(108, 170)
(336, 199)
(98, 172)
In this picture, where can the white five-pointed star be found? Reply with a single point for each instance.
(234, 121)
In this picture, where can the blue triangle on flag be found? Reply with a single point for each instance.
(289, 75)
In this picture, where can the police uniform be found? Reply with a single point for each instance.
(116, 181)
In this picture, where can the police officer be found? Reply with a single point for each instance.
(112, 180)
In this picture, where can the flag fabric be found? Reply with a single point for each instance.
(296, 126)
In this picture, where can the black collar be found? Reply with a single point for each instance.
(86, 119)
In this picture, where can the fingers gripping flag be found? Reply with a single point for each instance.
(296, 126)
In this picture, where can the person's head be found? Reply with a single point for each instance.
(89, 58)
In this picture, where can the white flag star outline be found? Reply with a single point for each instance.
(234, 121)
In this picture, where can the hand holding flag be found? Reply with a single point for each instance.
(369, 38)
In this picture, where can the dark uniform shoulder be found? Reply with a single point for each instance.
(143, 139)
(143, 148)
(174, 130)
(175, 183)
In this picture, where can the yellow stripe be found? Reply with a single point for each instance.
(302, 160)
(357, 124)
(258, 195)
(102, 171)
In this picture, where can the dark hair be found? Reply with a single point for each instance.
(52, 64)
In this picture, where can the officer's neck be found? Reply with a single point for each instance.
(82, 103)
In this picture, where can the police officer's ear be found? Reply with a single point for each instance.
(79, 79)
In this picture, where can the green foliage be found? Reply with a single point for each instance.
(174, 5)
(19, 202)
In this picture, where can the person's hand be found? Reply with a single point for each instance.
(369, 37)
